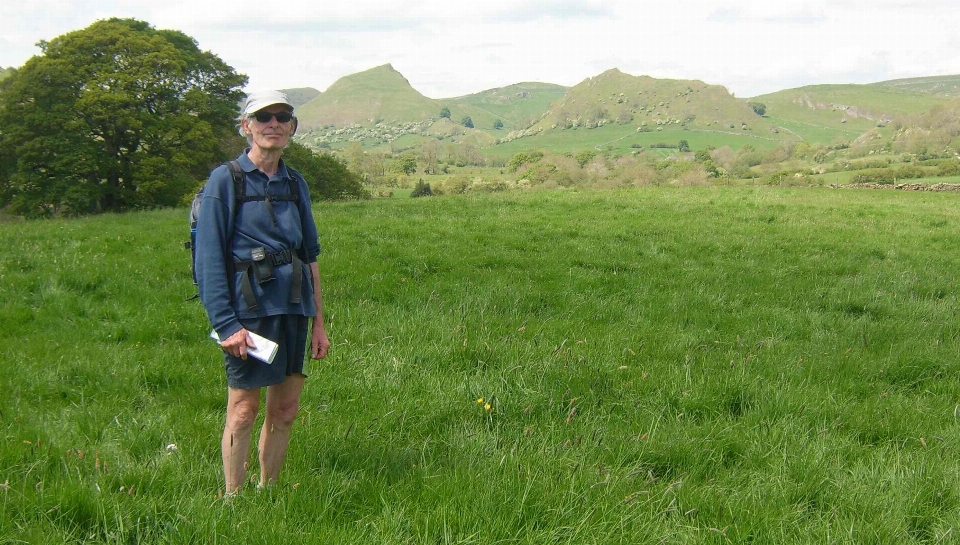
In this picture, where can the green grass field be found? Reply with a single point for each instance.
(815, 133)
(619, 139)
(664, 365)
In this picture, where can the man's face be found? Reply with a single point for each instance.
(270, 134)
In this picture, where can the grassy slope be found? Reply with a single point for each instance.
(614, 95)
(365, 97)
(824, 113)
(804, 126)
(937, 85)
(705, 365)
(625, 103)
(516, 106)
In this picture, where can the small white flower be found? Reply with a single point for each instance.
(172, 447)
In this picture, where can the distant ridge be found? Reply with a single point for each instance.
(648, 103)
(379, 106)
(301, 95)
(948, 86)
(384, 95)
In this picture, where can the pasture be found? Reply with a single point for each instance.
(663, 365)
(619, 139)
(813, 132)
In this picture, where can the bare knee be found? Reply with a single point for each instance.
(283, 413)
(242, 414)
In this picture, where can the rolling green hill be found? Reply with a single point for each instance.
(379, 106)
(823, 113)
(637, 105)
(616, 97)
(377, 95)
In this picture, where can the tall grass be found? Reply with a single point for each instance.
(700, 365)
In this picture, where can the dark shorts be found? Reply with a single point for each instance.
(289, 331)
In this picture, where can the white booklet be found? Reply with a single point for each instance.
(265, 351)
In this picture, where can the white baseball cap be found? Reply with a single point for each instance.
(260, 100)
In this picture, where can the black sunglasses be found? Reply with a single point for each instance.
(282, 117)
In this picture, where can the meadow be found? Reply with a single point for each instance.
(812, 132)
(619, 139)
(662, 365)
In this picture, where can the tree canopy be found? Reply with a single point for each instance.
(113, 117)
(326, 177)
(759, 108)
(405, 165)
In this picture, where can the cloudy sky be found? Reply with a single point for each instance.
(450, 48)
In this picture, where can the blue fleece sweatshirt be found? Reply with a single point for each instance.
(223, 231)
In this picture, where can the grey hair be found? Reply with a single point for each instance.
(248, 136)
(240, 131)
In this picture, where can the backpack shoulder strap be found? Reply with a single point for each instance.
(295, 178)
(238, 177)
(295, 189)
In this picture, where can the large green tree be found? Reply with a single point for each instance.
(116, 116)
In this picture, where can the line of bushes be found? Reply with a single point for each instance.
(905, 172)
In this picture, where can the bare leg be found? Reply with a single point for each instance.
(242, 407)
(283, 402)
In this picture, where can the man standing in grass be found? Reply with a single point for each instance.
(256, 245)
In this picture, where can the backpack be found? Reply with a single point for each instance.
(241, 197)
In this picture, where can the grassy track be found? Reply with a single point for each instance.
(698, 365)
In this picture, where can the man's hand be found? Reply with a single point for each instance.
(236, 345)
(319, 343)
